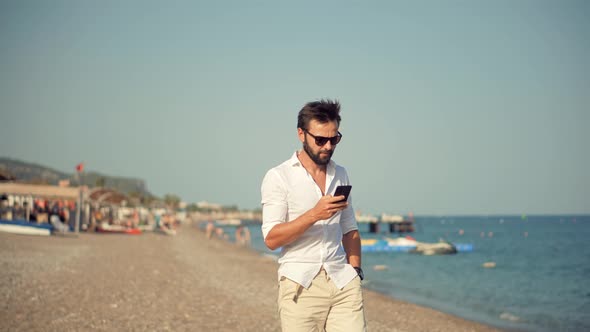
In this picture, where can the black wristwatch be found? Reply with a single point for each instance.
(359, 271)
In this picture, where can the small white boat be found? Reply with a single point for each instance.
(409, 244)
(402, 242)
(228, 222)
(24, 228)
(440, 248)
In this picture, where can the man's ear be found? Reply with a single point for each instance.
(301, 134)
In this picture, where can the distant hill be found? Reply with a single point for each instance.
(34, 173)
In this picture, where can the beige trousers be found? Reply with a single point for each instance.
(321, 307)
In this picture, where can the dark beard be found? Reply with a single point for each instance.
(316, 157)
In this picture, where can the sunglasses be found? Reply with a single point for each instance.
(321, 141)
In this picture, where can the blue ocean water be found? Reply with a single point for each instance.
(541, 281)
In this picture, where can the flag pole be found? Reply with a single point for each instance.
(79, 170)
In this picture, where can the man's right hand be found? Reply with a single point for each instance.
(285, 233)
(328, 206)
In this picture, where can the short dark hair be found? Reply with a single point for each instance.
(322, 111)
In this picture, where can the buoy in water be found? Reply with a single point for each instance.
(489, 265)
(379, 267)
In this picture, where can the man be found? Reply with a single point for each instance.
(320, 262)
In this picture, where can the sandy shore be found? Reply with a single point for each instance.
(152, 282)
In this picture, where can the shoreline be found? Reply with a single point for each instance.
(156, 282)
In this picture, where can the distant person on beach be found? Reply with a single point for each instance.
(242, 235)
(5, 210)
(18, 211)
(167, 225)
(320, 263)
(210, 229)
(220, 233)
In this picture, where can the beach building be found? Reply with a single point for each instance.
(37, 201)
(23, 202)
(394, 223)
(24, 191)
(24, 195)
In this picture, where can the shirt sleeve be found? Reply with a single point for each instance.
(274, 201)
(348, 219)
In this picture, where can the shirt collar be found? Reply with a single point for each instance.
(294, 161)
(330, 170)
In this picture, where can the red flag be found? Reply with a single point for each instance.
(80, 167)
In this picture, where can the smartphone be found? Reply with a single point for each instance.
(343, 190)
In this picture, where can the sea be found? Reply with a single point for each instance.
(540, 281)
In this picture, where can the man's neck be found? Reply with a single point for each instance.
(311, 167)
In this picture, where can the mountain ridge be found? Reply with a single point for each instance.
(30, 172)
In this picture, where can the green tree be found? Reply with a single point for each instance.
(230, 208)
(193, 207)
(172, 200)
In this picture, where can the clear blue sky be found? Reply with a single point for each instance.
(449, 107)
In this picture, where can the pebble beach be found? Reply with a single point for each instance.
(154, 282)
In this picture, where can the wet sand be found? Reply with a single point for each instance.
(153, 282)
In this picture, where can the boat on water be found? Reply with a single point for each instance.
(440, 248)
(406, 241)
(411, 245)
(228, 222)
(24, 227)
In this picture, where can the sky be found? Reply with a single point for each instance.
(448, 107)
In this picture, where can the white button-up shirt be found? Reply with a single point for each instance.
(288, 191)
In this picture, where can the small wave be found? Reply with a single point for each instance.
(509, 317)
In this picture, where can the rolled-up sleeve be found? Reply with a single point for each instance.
(274, 201)
(348, 219)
